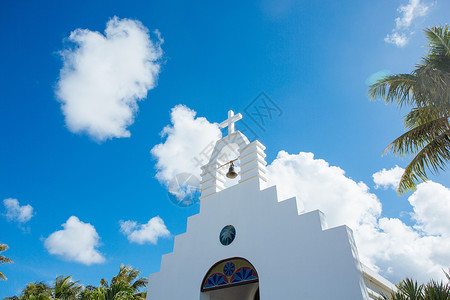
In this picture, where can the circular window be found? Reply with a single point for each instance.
(227, 235)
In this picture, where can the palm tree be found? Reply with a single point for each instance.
(65, 288)
(427, 91)
(3, 259)
(411, 289)
(37, 291)
(408, 289)
(436, 290)
(124, 285)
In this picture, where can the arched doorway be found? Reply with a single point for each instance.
(231, 279)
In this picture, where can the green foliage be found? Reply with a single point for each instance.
(124, 286)
(65, 288)
(427, 90)
(37, 291)
(409, 289)
(4, 259)
(436, 291)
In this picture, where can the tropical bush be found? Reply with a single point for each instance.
(409, 289)
(124, 286)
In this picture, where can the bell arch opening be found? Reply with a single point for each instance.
(231, 279)
(230, 153)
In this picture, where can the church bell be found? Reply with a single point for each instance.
(231, 172)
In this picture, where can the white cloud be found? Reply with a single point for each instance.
(400, 251)
(317, 185)
(409, 12)
(103, 77)
(17, 213)
(76, 242)
(431, 203)
(388, 178)
(144, 233)
(398, 39)
(188, 145)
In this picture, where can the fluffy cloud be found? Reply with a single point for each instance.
(188, 145)
(388, 178)
(409, 12)
(103, 77)
(144, 233)
(431, 204)
(420, 249)
(17, 213)
(317, 185)
(401, 33)
(76, 242)
(398, 39)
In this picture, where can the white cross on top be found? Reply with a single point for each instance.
(230, 121)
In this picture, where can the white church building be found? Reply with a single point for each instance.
(246, 244)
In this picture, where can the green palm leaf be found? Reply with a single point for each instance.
(439, 38)
(4, 259)
(433, 156)
(436, 291)
(65, 288)
(395, 89)
(411, 289)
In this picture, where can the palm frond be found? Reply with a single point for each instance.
(432, 85)
(422, 115)
(65, 288)
(411, 289)
(447, 274)
(5, 260)
(436, 291)
(138, 284)
(104, 283)
(37, 290)
(439, 38)
(433, 156)
(397, 89)
(419, 136)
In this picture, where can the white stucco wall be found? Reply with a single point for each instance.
(294, 256)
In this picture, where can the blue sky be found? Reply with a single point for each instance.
(312, 58)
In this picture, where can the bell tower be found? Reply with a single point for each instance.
(251, 158)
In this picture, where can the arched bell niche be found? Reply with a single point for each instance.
(230, 153)
(214, 172)
(231, 279)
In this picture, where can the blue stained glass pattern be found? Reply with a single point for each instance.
(229, 272)
(243, 274)
(228, 269)
(216, 280)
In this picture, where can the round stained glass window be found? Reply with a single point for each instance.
(227, 235)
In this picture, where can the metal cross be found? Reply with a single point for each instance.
(230, 121)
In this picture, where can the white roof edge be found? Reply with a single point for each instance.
(378, 278)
